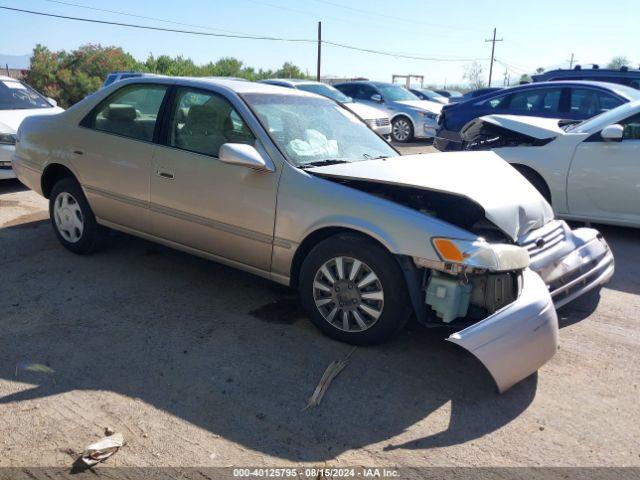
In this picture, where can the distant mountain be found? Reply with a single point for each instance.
(15, 61)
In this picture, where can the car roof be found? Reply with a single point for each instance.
(621, 90)
(4, 78)
(237, 86)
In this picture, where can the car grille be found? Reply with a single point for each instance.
(545, 242)
(378, 122)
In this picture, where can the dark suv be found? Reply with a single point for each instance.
(622, 76)
(576, 100)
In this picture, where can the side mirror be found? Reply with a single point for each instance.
(52, 102)
(612, 133)
(245, 156)
(377, 98)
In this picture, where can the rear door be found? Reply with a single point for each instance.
(112, 154)
(604, 178)
(589, 102)
(200, 202)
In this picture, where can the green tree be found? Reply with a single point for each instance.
(68, 77)
(289, 70)
(525, 78)
(619, 61)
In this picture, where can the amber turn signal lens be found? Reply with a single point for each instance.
(448, 251)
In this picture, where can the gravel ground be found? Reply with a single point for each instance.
(201, 365)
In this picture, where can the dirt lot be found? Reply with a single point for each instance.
(199, 364)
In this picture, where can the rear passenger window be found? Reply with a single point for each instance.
(131, 112)
(588, 102)
(202, 122)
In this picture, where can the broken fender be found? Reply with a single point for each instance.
(517, 340)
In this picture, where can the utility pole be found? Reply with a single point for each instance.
(493, 51)
(571, 62)
(319, 49)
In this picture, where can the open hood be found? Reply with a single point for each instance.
(509, 201)
(535, 127)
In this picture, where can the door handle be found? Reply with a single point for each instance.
(165, 174)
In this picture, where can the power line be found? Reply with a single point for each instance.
(161, 29)
(126, 14)
(387, 16)
(400, 55)
(242, 36)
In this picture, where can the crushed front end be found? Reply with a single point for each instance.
(571, 262)
(499, 309)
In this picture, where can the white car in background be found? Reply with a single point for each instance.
(588, 171)
(376, 118)
(17, 101)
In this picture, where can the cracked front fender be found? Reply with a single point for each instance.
(517, 340)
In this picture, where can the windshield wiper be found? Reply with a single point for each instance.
(323, 163)
(379, 157)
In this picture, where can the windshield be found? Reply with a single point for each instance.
(15, 95)
(316, 130)
(394, 93)
(326, 91)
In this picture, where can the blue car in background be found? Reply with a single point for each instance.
(571, 100)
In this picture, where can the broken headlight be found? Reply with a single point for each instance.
(497, 257)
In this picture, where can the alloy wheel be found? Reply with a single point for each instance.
(401, 130)
(348, 294)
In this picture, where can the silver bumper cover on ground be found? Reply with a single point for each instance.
(571, 262)
(518, 339)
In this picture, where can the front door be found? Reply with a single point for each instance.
(199, 201)
(604, 178)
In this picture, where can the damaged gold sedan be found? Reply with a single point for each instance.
(293, 187)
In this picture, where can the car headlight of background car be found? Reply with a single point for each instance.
(497, 257)
(7, 138)
(427, 115)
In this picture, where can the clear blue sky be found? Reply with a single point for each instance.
(541, 33)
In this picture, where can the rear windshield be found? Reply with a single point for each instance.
(15, 95)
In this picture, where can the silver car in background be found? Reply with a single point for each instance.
(295, 188)
(17, 102)
(377, 119)
(411, 118)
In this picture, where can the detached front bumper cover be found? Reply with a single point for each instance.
(517, 340)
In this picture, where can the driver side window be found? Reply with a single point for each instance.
(631, 128)
(202, 122)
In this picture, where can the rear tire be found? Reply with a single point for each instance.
(72, 218)
(353, 290)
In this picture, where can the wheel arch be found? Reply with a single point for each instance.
(527, 170)
(52, 174)
(411, 273)
(405, 115)
(317, 236)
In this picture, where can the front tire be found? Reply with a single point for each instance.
(402, 130)
(353, 290)
(72, 218)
